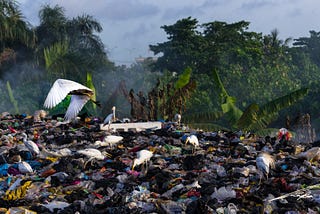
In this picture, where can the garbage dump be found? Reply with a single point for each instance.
(50, 166)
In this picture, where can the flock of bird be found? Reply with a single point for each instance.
(147, 157)
(81, 94)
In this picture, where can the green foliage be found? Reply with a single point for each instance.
(175, 94)
(91, 86)
(12, 99)
(69, 47)
(62, 107)
(54, 57)
(13, 27)
(184, 79)
(228, 104)
(253, 68)
(257, 118)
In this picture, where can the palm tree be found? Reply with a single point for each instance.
(69, 48)
(13, 28)
(52, 28)
(15, 34)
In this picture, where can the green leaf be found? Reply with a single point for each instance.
(12, 99)
(282, 102)
(205, 116)
(248, 117)
(255, 118)
(91, 86)
(219, 84)
(184, 78)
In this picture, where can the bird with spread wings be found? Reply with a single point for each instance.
(80, 95)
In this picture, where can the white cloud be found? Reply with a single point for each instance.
(130, 26)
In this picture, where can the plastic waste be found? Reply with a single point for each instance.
(221, 171)
(223, 193)
(4, 169)
(19, 210)
(56, 205)
(15, 193)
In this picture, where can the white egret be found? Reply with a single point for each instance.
(31, 146)
(80, 95)
(109, 140)
(92, 154)
(265, 162)
(193, 139)
(143, 156)
(111, 117)
(177, 118)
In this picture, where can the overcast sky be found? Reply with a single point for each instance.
(130, 26)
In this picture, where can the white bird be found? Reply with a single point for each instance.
(193, 139)
(265, 162)
(109, 140)
(143, 156)
(31, 146)
(111, 117)
(92, 154)
(177, 118)
(80, 95)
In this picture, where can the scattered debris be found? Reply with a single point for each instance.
(81, 168)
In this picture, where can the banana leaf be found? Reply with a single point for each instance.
(184, 79)
(233, 113)
(256, 118)
(205, 116)
(91, 86)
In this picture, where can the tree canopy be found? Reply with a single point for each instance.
(254, 69)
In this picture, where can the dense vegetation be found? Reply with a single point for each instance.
(210, 69)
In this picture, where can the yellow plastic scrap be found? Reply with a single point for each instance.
(120, 146)
(211, 149)
(17, 193)
(152, 149)
(52, 159)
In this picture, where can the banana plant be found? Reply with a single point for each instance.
(174, 95)
(253, 118)
(257, 117)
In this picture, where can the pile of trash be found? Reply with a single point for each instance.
(49, 166)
